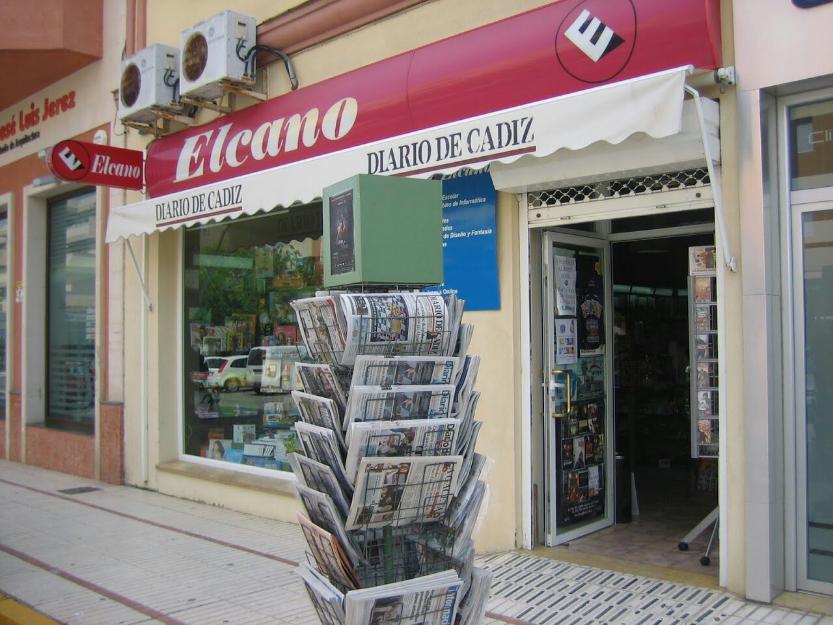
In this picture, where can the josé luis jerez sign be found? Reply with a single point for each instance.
(79, 161)
(470, 241)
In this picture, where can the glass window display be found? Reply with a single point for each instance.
(242, 340)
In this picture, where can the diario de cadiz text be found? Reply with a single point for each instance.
(486, 140)
(196, 205)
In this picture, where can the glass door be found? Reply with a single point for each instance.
(813, 245)
(578, 422)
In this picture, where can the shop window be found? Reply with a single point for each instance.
(71, 312)
(241, 336)
(811, 145)
(4, 242)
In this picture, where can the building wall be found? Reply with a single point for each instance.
(92, 108)
(804, 52)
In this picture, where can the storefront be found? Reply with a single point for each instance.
(595, 142)
(54, 267)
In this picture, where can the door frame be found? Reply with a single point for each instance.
(802, 203)
(598, 242)
(530, 323)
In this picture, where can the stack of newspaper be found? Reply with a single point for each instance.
(388, 474)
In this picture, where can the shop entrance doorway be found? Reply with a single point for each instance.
(625, 395)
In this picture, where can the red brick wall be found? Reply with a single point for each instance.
(67, 452)
(13, 416)
(112, 442)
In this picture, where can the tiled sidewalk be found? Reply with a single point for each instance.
(123, 556)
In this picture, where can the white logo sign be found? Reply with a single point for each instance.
(69, 159)
(592, 36)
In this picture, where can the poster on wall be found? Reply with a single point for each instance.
(342, 245)
(469, 232)
(590, 292)
(582, 468)
(565, 285)
(566, 347)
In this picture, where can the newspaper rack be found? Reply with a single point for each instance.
(399, 522)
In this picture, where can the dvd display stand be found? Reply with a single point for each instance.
(702, 296)
(389, 479)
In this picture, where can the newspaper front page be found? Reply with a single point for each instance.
(376, 403)
(429, 600)
(420, 437)
(404, 370)
(390, 323)
(404, 490)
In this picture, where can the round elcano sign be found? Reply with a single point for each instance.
(79, 161)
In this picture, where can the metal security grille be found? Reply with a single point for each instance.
(621, 187)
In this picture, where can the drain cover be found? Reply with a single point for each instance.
(78, 490)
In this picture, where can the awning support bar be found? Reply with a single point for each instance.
(728, 256)
(139, 275)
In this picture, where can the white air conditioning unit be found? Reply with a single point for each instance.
(147, 80)
(212, 51)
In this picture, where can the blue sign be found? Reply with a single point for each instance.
(470, 241)
(809, 4)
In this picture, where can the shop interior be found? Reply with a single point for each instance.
(671, 491)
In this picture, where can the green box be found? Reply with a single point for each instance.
(383, 230)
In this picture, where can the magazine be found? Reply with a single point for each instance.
(404, 490)
(328, 554)
(321, 380)
(420, 437)
(321, 445)
(404, 370)
(375, 403)
(428, 600)
(322, 511)
(320, 477)
(327, 600)
(319, 411)
(391, 323)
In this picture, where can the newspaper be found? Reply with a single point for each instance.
(468, 419)
(321, 445)
(322, 511)
(321, 380)
(319, 411)
(320, 328)
(428, 600)
(376, 403)
(404, 370)
(465, 384)
(320, 477)
(404, 490)
(473, 606)
(463, 340)
(391, 323)
(462, 501)
(467, 444)
(327, 600)
(328, 554)
(419, 437)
